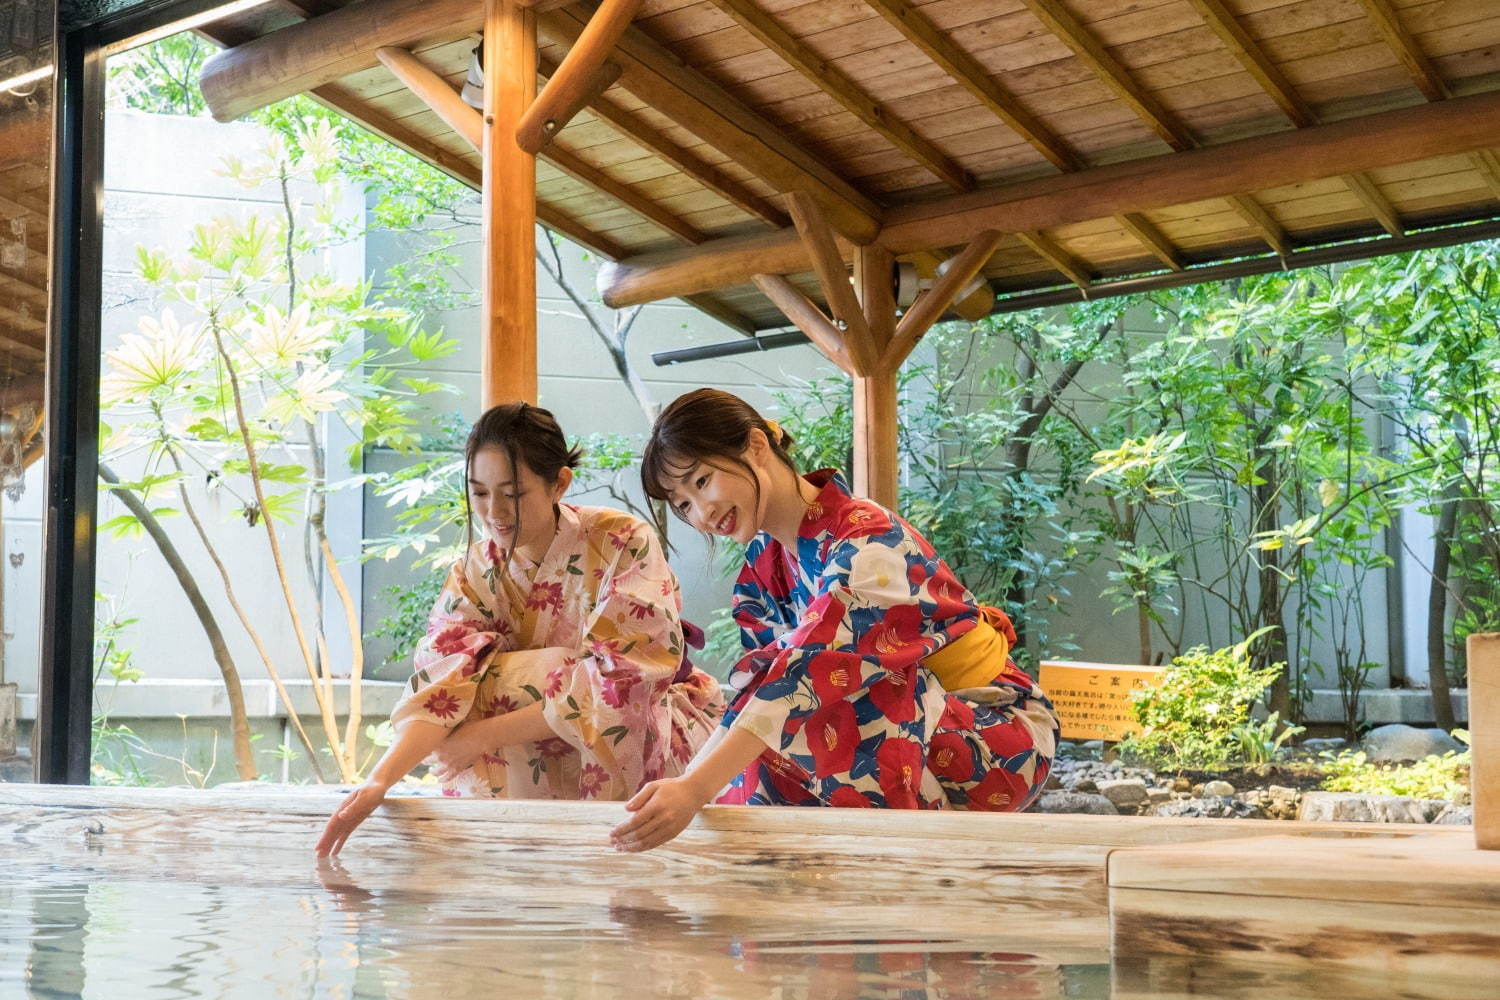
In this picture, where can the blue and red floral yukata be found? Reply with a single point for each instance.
(834, 683)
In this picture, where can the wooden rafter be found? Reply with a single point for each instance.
(650, 138)
(444, 101)
(583, 75)
(1426, 77)
(1140, 227)
(1092, 53)
(974, 307)
(832, 81)
(1048, 249)
(1247, 50)
(967, 71)
(1446, 128)
(931, 304)
(661, 80)
(807, 317)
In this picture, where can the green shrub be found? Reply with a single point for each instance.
(1198, 716)
(1434, 777)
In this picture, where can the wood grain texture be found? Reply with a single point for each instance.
(1484, 736)
(580, 77)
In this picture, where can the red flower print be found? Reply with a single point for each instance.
(1000, 791)
(599, 574)
(900, 763)
(849, 797)
(641, 611)
(502, 704)
(894, 697)
(916, 575)
(554, 684)
(554, 746)
(441, 704)
(949, 756)
(451, 792)
(956, 714)
(833, 736)
(1007, 738)
(620, 539)
(451, 640)
(833, 678)
(616, 690)
(590, 780)
(544, 596)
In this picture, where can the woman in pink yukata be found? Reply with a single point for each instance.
(857, 637)
(553, 665)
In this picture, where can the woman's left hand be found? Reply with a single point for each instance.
(662, 810)
(456, 754)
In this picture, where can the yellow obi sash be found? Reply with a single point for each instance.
(975, 658)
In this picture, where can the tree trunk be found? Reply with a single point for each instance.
(1273, 649)
(1437, 612)
(244, 760)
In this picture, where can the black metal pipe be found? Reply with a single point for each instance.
(1429, 239)
(747, 345)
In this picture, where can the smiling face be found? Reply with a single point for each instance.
(718, 499)
(498, 493)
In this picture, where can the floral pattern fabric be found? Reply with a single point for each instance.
(833, 682)
(593, 633)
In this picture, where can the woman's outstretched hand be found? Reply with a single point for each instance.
(354, 810)
(662, 809)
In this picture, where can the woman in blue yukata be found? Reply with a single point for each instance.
(871, 677)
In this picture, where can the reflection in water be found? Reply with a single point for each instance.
(260, 924)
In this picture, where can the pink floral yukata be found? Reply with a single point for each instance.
(834, 684)
(593, 633)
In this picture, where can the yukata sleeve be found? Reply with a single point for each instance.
(873, 620)
(607, 697)
(463, 635)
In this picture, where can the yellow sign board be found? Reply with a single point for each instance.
(1093, 699)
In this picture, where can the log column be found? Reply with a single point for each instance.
(1484, 736)
(509, 296)
(877, 461)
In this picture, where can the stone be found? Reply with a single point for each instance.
(1215, 808)
(1181, 784)
(1398, 743)
(1454, 814)
(1220, 788)
(1328, 807)
(1317, 746)
(1125, 793)
(1084, 785)
(1054, 782)
(1074, 802)
(1156, 795)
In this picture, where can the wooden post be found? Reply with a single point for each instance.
(876, 469)
(876, 457)
(1484, 737)
(509, 301)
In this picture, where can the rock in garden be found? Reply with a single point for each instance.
(1181, 784)
(1084, 785)
(1074, 802)
(1328, 807)
(1126, 793)
(1215, 808)
(1157, 795)
(1317, 746)
(1455, 815)
(1398, 743)
(1220, 788)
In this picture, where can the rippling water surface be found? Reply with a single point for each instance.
(161, 921)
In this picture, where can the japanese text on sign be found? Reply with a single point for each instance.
(1093, 699)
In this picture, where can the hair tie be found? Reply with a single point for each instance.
(775, 430)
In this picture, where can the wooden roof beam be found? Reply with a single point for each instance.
(833, 276)
(661, 80)
(1148, 235)
(320, 50)
(973, 307)
(1092, 53)
(807, 317)
(1048, 249)
(833, 82)
(648, 137)
(1247, 50)
(965, 70)
(582, 76)
(445, 102)
(1448, 128)
(931, 304)
(1426, 77)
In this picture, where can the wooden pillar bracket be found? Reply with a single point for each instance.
(582, 76)
(828, 264)
(931, 304)
(807, 317)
